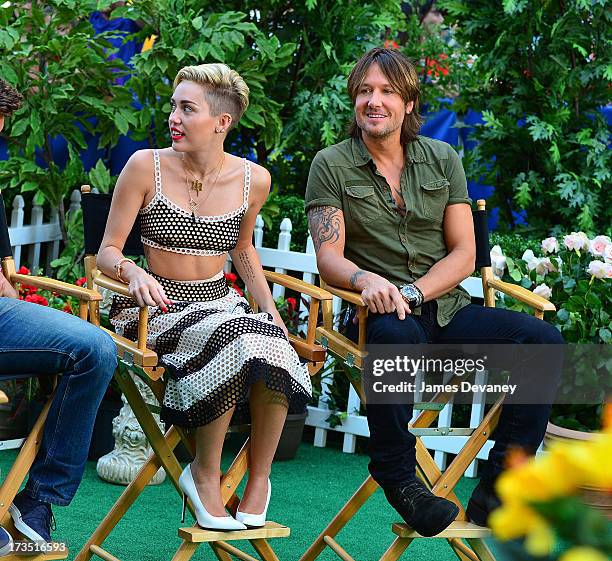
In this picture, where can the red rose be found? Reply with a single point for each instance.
(28, 289)
(390, 44)
(37, 299)
(231, 277)
(67, 308)
(291, 302)
(81, 281)
(23, 270)
(238, 290)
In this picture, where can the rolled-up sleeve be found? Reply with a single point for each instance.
(458, 192)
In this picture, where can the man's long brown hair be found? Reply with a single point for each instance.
(402, 76)
(10, 99)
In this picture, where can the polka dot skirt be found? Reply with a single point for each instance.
(214, 348)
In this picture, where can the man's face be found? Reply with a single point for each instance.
(379, 108)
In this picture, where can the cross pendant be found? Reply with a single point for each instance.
(196, 186)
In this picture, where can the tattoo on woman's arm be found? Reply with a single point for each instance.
(243, 258)
(324, 224)
(354, 277)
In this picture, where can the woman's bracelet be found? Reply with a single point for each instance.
(119, 267)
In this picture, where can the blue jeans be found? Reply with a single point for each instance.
(41, 341)
(392, 447)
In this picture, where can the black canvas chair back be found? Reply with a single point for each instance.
(5, 242)
(481, 235)
(96, 208)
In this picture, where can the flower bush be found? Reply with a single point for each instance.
(48, 298)
(574, 273)
(541, 500)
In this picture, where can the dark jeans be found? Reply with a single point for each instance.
(392, 447)
(42, 341)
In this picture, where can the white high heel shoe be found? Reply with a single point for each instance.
(204, 519)
(255, 520)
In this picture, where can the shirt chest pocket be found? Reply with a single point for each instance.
(435, 198)
(362, 203)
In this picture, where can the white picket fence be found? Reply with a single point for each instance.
(282, 260)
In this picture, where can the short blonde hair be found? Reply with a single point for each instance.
(224, 88)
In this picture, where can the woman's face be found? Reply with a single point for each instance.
(190, 121)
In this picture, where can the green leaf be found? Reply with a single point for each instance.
(28, 186)
(99, 176)
(605, 335)
(197, 23)
(122, 123)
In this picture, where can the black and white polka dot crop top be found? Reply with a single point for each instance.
(165, 225)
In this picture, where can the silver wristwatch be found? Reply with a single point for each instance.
(412, 295)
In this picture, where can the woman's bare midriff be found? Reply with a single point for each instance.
(178, 266)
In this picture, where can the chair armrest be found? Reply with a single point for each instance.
(349, 295)
(298, 285)
(100, 279)
(523, 295)
(78, 292)
(113, 285)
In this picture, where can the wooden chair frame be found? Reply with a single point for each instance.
(143, 362)
(441, 484)
(27, 454)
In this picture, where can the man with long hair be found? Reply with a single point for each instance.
(390, 217)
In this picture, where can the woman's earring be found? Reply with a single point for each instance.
(217, 129)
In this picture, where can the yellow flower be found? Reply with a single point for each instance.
(514, 520)
(539, 479)
(587, 461)
(540, 540)
(583, 553)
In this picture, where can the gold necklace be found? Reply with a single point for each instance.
(196, 185)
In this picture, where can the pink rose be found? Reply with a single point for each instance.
(597, 269)
(543, 291)
(608, 271)
(576, 241)
(545, 266)
(550, 245)
(598, 244)
(608, 253)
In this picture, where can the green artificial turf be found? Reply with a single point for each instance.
(306, 493)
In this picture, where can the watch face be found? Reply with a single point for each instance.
(409, 292)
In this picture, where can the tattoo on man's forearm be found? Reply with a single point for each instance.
(354, 277)
(324, 223)
(247, 268)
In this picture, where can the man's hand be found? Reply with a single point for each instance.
(6, 289)
(382, 297)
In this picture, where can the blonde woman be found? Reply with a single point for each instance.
(197, 203)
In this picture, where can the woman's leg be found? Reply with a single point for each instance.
(206, 467)
(268, 414)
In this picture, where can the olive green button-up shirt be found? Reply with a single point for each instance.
(400, 247)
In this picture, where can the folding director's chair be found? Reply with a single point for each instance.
(29, 449)
(441, 484)
(143, 362)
